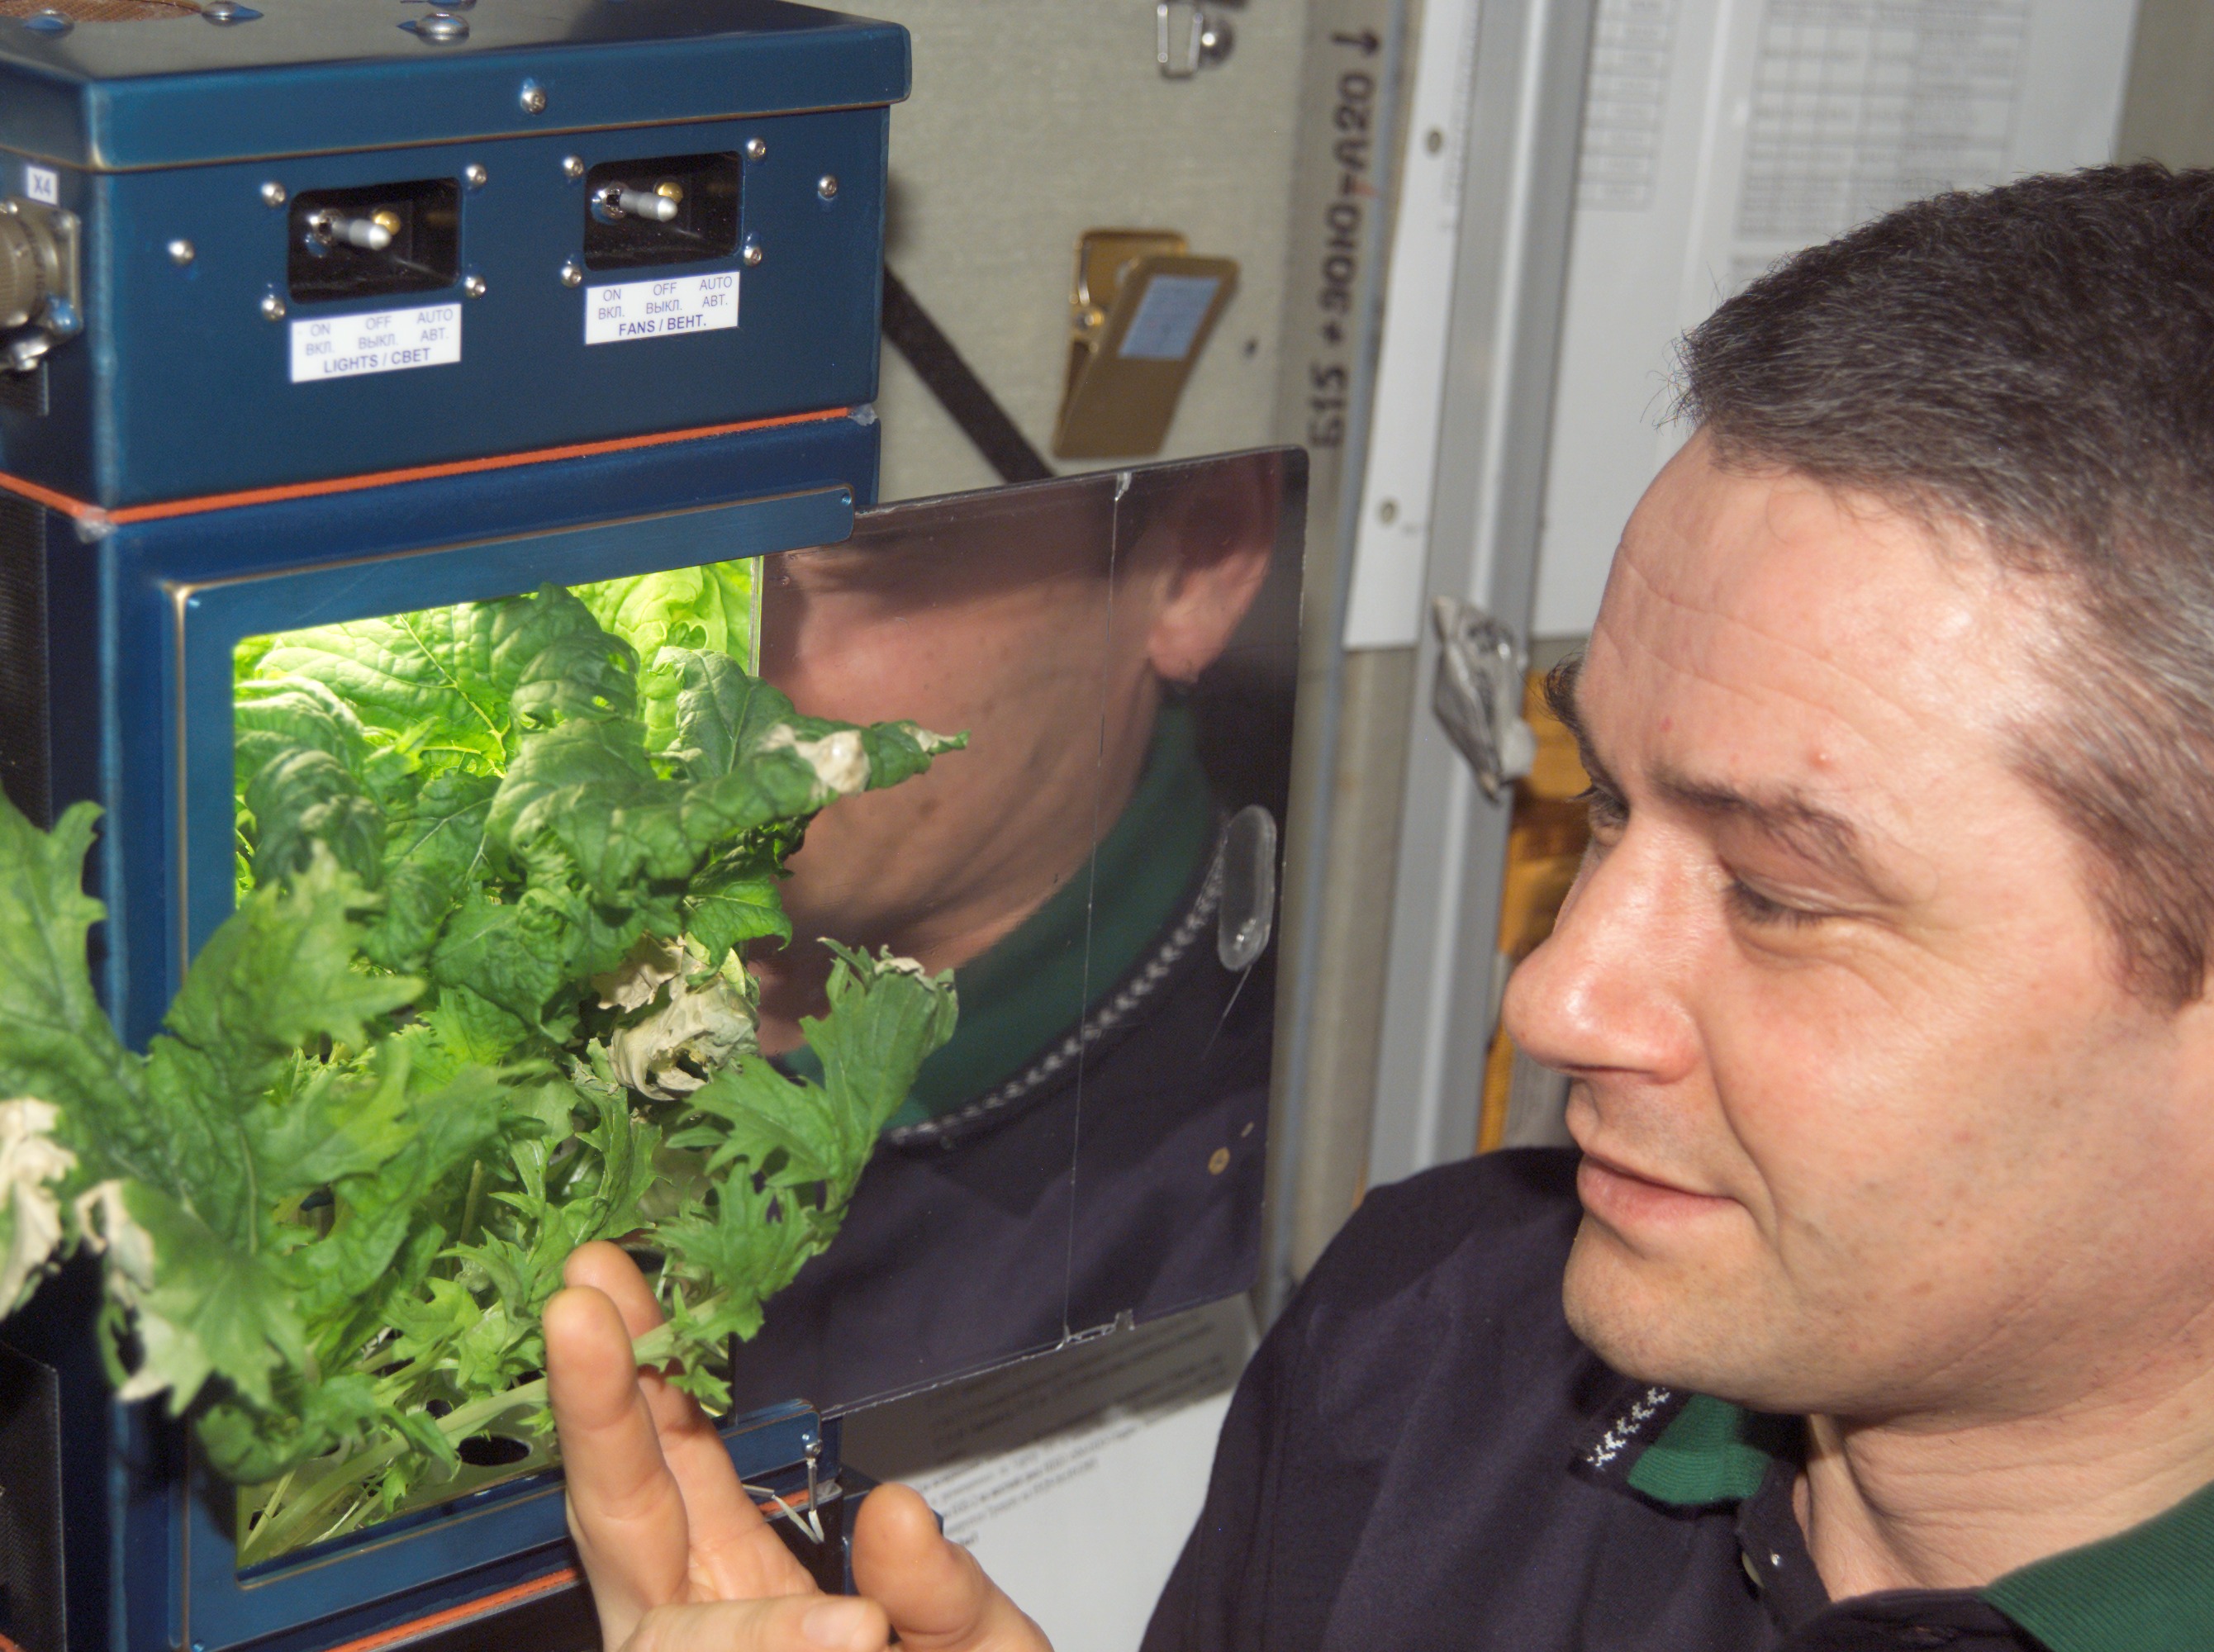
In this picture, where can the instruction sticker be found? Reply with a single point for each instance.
(654, 309)
(384, 341)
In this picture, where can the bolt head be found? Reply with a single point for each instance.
(182, 252)
(572, 275)
(472, 286)
(532, 97)
(827, 186)
(272, 193)
(572, 166)
(757, 150)
(473, 175)
(750, 255)
(272, 307)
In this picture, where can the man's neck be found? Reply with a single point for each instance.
(1913, 1504)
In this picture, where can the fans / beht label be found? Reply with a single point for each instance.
(655, 308)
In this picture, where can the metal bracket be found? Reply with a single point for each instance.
(1477, 697)
(1207, 38)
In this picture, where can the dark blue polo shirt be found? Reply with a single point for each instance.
(1422, 1454)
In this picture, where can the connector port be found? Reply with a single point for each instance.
(378, 239)
(677, 210)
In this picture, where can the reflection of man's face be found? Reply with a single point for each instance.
(1871, 1128)
(999, 620)
(1003, 634)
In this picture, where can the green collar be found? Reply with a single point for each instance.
(1037, 984)
(2147, 1589)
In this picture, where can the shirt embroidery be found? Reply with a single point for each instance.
(1106, 1019)
(1627, 1427)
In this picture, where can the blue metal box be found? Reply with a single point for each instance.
(201, 292)
(116, 648)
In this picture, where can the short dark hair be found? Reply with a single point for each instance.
(2035, 362)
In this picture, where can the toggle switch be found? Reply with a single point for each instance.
(372, 240)
(372, 233)
(668, 209)
(657, 205)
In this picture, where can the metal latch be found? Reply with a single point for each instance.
(1478, 694)
(1188, 38)
(38, 266)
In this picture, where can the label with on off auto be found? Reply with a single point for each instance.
(382, 341)
(651, 308)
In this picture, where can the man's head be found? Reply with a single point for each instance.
(1882, 985)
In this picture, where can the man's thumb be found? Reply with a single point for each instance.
(933, 1591)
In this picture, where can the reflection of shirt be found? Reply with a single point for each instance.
(1423, 1454)
(1039, 982)
(1118, 1170)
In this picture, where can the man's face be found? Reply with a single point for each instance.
(1871, 1126)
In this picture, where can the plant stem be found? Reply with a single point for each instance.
(318, 1491)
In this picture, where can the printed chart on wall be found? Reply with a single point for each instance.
(1721, 135)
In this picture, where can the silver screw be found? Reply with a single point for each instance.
(827, 186)
(442, 27)
(181, 252)
(272, 307)
(474, 175)
(757, 150)
(572, 275)
(533, 98)
(572, 166)
(472, 286)
(750, 255)
(272, 193)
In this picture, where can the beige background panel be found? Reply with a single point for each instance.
(2167, 113)
(1034, 121)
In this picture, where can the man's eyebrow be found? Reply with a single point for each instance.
(1785, 816)
(1560, 700)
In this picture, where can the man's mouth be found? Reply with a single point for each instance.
(1623, 1196)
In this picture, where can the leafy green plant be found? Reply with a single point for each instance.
(482, 1001)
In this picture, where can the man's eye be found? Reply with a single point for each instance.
(1750, 905)
(1608, 812)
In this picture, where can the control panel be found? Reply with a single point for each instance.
(231, 262)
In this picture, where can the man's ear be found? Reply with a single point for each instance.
(1206, 597)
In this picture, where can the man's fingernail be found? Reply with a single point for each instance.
(841, 1624)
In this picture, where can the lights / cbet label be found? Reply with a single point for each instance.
(382, 341)
(653, 308)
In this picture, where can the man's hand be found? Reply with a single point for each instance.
(678, 1560)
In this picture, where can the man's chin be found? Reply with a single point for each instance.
(1655, 1319)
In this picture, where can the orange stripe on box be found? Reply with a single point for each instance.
(53, 501)
(83, 511)
(482, 1606)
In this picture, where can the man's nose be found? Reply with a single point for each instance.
(1605, 993)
